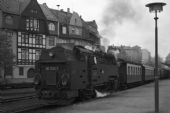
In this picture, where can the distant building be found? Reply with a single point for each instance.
(146, 56)
(167, 59)
(127, 53)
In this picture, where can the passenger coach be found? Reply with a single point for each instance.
(129, 74)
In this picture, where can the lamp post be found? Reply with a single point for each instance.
(156, 8)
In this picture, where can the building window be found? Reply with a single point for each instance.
(51, 27)
(25, 38)
(64, 30)
(21, 71)
(29, 47)
(73, 30)
(31, 40)
(51, 41)
(9, 20)
(27, 56)
(32, 24)
(75, 20)
(38, 40)
(34, 11)
(24, 54)
(77, 31)
(37, 54)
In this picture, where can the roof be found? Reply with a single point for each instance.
(63, 17)
(47, 12)
(85, 25)
(92, 23)
(10, 6)
(14, 6)
(23, 4)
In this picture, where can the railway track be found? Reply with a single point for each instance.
(17, 100)
(20, 105)
(29, 102)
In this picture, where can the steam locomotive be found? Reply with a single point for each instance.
(67, 72)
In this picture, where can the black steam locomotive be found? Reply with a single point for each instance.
(68, 72)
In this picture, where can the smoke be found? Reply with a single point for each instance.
(116, 13)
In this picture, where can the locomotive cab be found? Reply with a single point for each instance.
(53, 73)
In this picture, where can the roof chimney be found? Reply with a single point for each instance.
(68, 10)
(44, 4)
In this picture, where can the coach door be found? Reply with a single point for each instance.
(49, 73)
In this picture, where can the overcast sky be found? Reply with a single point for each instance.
(123, 22)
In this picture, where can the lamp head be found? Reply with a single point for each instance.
(155, 7)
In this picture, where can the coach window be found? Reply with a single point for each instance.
(131, 70)
(128, 70)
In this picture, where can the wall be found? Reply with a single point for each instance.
(16, 70)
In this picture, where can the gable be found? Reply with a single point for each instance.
(33, 10)
(49, 15)
(75, 20)
(23, 4)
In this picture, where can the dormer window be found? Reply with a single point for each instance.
(51, 27)
(64, 30)
(32, 24)
(34, 11)
(75, 20)
(77, 31)
(73, 30)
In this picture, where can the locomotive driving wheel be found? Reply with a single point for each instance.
(61, 102)
(87, 94)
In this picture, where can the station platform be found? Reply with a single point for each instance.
(136, 100)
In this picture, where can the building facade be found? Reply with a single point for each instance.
(127, 53)
(33, 27)
(52, 35)
(146, 56)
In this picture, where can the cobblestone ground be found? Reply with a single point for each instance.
(137, 100)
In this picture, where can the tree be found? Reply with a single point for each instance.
(167, 60)
(160, 60)
(6, 55)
